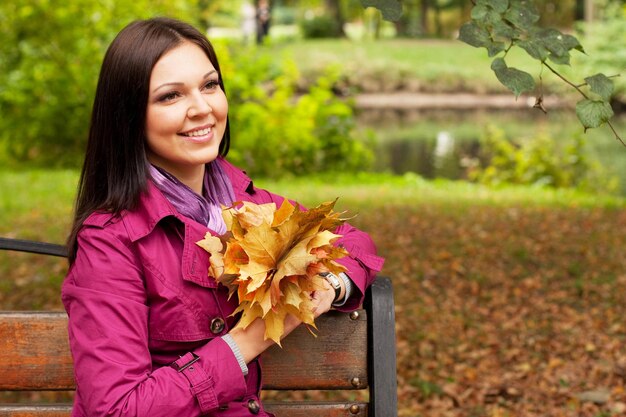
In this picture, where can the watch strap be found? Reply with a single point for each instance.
(333, 280)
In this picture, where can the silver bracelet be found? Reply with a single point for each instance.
(235, 348)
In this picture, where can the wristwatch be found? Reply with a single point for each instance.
(333, 280)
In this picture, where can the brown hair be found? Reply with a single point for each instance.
(114, 172)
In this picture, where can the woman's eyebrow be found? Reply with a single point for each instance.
(204, 77)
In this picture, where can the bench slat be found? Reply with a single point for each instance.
(34, 351)
(315, 409)
(43, 410)
(333, 359)
(291, 409)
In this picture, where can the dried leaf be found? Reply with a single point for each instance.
(271, 259)
(214, 246)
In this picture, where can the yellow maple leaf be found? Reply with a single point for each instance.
(271, 258)
(214, 246)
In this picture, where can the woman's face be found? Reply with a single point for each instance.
(186, 113)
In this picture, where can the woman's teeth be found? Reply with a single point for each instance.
(202, 132)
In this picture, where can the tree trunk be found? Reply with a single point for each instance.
(333, 8)
(589, 11)
(424, 16)
(438, 24)
(579, 11)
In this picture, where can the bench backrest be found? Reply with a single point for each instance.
(352, 351)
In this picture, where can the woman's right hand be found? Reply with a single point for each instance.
(251, 340)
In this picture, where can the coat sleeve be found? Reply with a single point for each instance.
(362, 263)
(105, 299)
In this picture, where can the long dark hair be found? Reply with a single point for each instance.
(115, 169)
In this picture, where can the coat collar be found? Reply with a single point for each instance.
(153, 206)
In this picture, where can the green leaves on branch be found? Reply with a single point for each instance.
(499, 25)
(391, 9)
(601, 85)
(515, 80)
(593, 113)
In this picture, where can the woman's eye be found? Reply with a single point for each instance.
(211, 85)
(168, 96)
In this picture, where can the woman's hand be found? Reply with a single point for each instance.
(251, 340)
(323, 299)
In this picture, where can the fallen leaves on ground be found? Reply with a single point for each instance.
(508, 311)
(500, 311)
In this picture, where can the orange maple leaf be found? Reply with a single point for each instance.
(271, 258)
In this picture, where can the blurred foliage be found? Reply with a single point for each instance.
(540, 161)
(48, 74)
(274, 132)
(50, 54)
(284, 15)
(605, 42)
(322, 26)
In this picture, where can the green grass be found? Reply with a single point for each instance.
(38, 204)
(363, 191)
(439, 64)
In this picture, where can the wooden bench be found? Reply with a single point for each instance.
(353, 351)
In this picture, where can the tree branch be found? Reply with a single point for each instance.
(565, 79)
(585, 96)
(608, 76)
(608, 122)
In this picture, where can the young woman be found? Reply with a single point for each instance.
(151, 334)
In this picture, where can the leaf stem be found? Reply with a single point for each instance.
(585, 96)
(608, 122)
(609, 76)
(565, 79)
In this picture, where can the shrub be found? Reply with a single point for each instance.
(275, 132)
(322, 26)
(50, 58)
(540, 161)
(49, 70)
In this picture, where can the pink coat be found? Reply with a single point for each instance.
(138, 297)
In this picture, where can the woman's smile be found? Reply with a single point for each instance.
(201, 134)
(186, 114)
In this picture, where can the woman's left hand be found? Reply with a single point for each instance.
(323, 299)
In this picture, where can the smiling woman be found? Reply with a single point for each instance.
(187, 114)
(150, 332)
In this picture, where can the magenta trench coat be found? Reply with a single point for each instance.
(139, 297)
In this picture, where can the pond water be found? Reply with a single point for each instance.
(443, 143)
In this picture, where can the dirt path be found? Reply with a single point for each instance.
(452, 101)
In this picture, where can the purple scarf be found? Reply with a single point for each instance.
(205, 209)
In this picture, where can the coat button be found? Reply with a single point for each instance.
(217, 325)
(254, 407)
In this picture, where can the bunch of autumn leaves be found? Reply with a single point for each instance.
(271, 258)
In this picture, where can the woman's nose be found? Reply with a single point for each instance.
(198, 106)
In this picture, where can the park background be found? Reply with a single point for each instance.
(501, 225)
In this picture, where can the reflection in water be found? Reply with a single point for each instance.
(424, 157)
(444, 143)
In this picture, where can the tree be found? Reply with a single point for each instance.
(334, 10)
(49, 68)
(499, 25)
